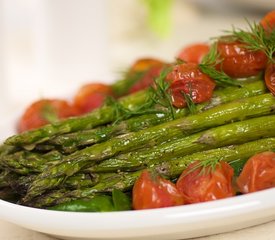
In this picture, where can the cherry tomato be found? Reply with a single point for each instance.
(187, 78)
(147, 79)
(39, 112)
(149, 68)
(151, 191)
(91, 96)
(145, 64)
(258, 173)
(200, 186)
(270, 77)
(268, 21)
(194, 53)
(238, 61)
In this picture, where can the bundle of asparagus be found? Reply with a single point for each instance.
(107, 149)
(46, 178)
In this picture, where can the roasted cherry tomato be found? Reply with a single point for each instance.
(268, 21)
(145, 64)
(153, 191)
(147, 69)
(194, 53)
(201, 185)
(270, 77)
(258, 173)
(239, 62)
(43, 111)
(147, 79)
(91, 96)
(188, 79)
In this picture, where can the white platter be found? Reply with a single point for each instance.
(167, 223)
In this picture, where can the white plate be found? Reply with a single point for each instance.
(167, 223)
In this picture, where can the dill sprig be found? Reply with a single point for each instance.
(159, 95)
(122, 113)
(256, 38)
(208, 67)
(189, 101)
(206, 167)
(160, 92)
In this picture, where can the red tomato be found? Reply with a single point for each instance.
(36, 115)
(150, 69)
(147, 79)
(270, 77)
(258, 173)
(144, 64)
(189, 79)
(268, 21)
(91, 96)
(238, 61)
(198, 186)
(194, 53)
(152, 191)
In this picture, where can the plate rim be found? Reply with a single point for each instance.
(245, 210)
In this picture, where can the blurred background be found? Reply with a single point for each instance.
(48, 48)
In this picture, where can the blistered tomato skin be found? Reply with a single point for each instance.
(91, 96)
(239, 62)
(194, 53)
(270, 77)
(199, 185)
(35, 115)
(151, 191)
(258, 173)
(188, 79)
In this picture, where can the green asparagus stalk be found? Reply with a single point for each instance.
(171, 169)
(24, 162)
(19, 184)
(97, 117)
(219, 115)
(234, 133)
(70, 142)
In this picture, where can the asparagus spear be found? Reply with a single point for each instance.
(19, 184)
(170, 169)
(97, 117)
(24, 162)
(219, 115)
(70, 142)
(234, 133)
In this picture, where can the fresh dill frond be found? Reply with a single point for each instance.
(256, 38)
(212, 57)
(189, 101)
(159, 95)
(205, 167)
(122, 113)
(160, 92)
(208, 67)
(208, 167)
